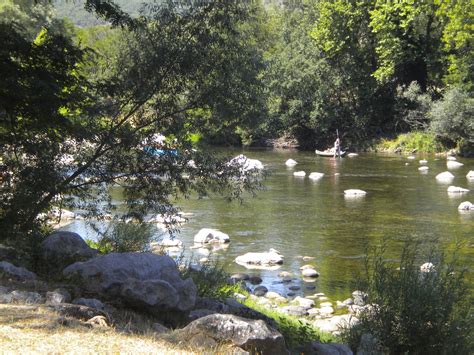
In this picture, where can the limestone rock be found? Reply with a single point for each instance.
(354, 192)
(141, 280)
(453, 164)
(207, 235)
(290, 162)
(251, 335)
(272, 257)
(315, 176)
(246, 164)
(470, 174)
(299, 173)
(457, 189)
(15, 272)
(466, 206)
(445, 177)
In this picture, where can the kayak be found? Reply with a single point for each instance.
(161, 152)
(328, 153)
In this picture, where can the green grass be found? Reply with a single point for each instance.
(295, 331)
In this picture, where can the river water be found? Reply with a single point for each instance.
(300, 217)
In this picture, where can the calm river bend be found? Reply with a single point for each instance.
(301, 217)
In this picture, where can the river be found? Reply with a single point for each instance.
(300, 217)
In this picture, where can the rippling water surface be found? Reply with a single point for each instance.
(301, 217)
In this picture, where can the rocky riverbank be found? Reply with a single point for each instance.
(95, 291)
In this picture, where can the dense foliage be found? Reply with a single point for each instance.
(415, 309)
(79, 106)
(77, 119)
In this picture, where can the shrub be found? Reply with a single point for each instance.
(421, 141)
(211, 280)
(451, 119)
(412, 311)
(121, 237)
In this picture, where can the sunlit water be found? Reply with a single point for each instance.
(300, 217)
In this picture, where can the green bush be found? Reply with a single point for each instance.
(421, 141)
(412, 311)
(121, 237)
(452, 119)
(211, 280)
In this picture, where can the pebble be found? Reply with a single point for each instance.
(294, 288)
(255, 280)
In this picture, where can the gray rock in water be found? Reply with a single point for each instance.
(254, 336)
(330, 349)
(58, 296)
(18, 273)
(240, 277)
(260, 291)
(141, 280)
(90, 302)
(61, 249)
(255, 280)
(294, 288)
(298, 311)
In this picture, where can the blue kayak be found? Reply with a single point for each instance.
(161, 152)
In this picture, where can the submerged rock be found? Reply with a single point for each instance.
(354, 192)
(456, 189)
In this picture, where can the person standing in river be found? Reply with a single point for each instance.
(337, 147)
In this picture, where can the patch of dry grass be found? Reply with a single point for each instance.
(37, 328)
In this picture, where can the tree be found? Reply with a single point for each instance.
(87, 128)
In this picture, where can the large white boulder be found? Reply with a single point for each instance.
(453, 164)
(207, 235)
(271, 257)
(290, 162)
(353, 192)
(247, 164)
(315, 176)
(466, 206)
(470, 174)
(457, 189)
(445, 177)
(299, 173)
(141, 280)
